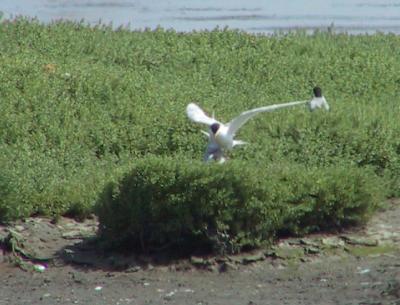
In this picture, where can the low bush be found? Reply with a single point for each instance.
(187, 205)
(80, 105)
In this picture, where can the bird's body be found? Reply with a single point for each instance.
(216, 142)
(318, 101)
(223, 138)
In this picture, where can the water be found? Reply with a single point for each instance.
(352, 16)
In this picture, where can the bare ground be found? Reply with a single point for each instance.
(58, 264)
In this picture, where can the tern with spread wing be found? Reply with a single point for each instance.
(221, 136)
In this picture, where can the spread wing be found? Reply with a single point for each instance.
(239, 121)
(196, 114)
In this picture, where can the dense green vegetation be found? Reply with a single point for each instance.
(163, 202)
(81, 107)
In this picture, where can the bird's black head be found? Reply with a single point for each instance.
(317, 92)
(214, 128)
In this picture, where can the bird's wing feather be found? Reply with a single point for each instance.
(196, 114)
(239, 121)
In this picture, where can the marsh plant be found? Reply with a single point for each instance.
(175, 203)
(84, 108)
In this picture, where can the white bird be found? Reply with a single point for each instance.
(221, 136)
(318, 101)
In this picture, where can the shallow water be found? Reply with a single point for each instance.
(352, 16)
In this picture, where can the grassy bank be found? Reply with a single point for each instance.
(80, 106)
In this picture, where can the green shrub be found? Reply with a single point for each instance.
(331, 197)
(34, 184)
(79, 104)
(174, 202)
(6, 191)
(183, 203)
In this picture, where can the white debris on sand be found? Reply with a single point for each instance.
(39, 268)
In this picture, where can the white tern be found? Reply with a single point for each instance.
(221, 136)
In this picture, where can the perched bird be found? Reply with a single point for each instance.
(318, 101)
(221, 136)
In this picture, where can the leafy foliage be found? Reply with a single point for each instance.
(166, 201)
(81, 106)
